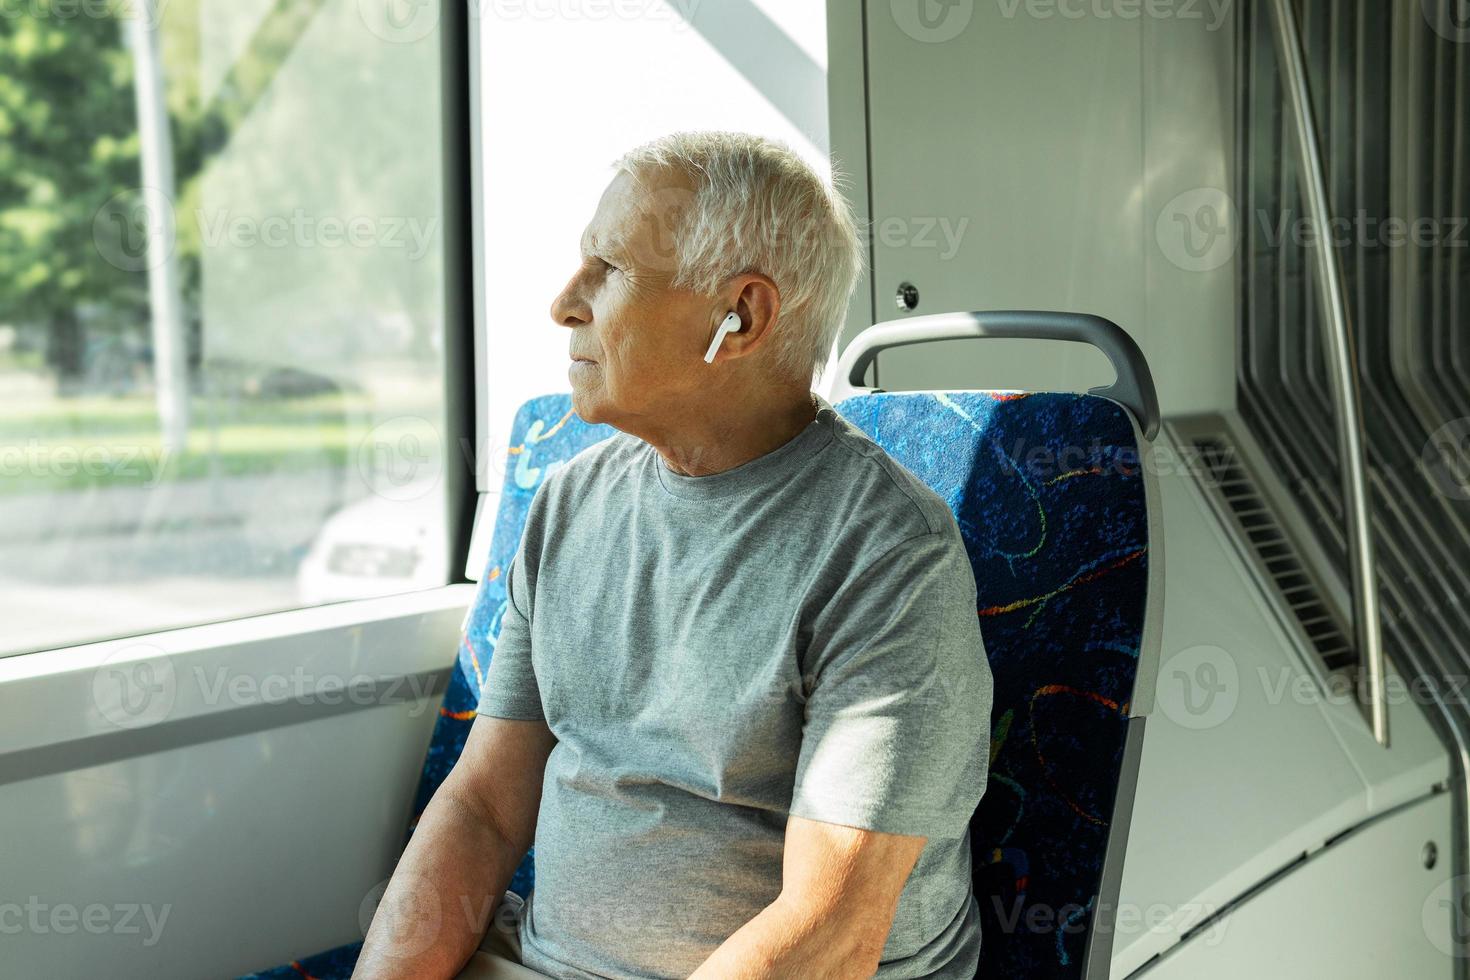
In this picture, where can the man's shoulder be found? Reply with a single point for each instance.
(883, 491)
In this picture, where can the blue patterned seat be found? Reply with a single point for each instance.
(1051, 499)
(1049, 496)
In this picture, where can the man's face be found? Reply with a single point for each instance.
(643, 340)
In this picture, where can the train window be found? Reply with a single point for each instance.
(579, 85)
(215, 195)
(1398, 232)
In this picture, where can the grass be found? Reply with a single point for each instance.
(68, 444)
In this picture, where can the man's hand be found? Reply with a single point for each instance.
(840, 889)
(472, 835)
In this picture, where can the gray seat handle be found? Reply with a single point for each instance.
(1133, 388)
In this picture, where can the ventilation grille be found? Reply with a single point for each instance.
(1278, 556)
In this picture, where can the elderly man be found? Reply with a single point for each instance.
(739, 700)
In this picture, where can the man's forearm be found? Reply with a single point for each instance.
(784, 940)
(439, 901)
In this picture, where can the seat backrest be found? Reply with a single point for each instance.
(1052, 501)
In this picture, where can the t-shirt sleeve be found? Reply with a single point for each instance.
(896, 736)
(510, 689)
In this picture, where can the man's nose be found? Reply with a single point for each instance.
(569, 309)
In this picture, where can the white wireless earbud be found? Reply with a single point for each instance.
(730, 324)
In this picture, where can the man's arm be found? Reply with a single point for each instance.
(454, 872)
(839, 892)
(895, 741)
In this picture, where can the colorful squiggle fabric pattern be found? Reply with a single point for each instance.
(1050, 500)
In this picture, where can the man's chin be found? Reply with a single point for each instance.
(586, 404)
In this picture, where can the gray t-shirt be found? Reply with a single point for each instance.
(797, 635)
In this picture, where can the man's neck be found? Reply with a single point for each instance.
(732, 442)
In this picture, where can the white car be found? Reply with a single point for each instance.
(378, 546)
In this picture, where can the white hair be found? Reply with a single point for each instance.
(758, 207)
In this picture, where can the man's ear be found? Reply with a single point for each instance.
(758, 302)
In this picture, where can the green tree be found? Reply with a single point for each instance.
(69, 150)
(66, 145)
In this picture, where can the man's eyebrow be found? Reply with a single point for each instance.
(612, 245)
